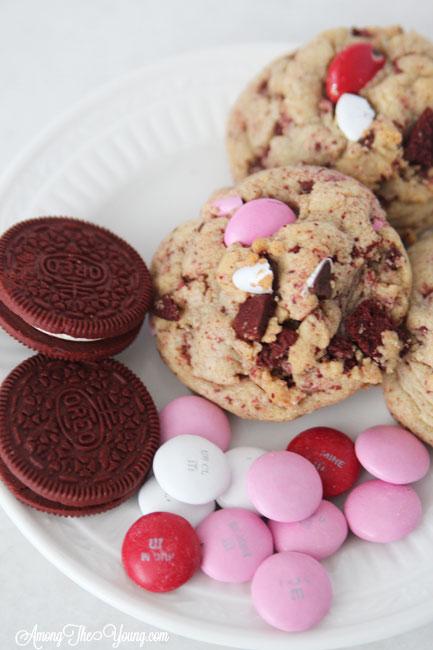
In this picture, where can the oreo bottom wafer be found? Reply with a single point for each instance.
(76, 438)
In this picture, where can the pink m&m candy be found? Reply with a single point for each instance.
(257, 218)
(291, 591)
(392, 454)
(227, 204)
(195, 416)
(382, 512)
(235, 542)
(284, 486)
(320, 535)
(161, 551)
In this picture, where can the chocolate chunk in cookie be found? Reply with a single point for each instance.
(252, 318)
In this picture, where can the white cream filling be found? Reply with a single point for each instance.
(67, 337)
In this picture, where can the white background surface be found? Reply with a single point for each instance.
(54, 53)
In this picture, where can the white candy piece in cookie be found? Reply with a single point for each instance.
(354, 115)
(254, 279)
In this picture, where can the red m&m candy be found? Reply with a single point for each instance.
(352, 69)
(333, 455)
(161, 551)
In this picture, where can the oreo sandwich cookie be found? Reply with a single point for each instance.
(30, 498)
(75, 437)
(71, 289)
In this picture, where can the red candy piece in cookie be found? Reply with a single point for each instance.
(333, 455)
(352, 69)
(161, 551)
(419, 147)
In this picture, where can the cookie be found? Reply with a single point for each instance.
(81, 434)
(381, 133)
(323, 319)
(71, 289)
(30, 498)
(409, 391)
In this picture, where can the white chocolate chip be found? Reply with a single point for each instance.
(354, 115)
(254, 279)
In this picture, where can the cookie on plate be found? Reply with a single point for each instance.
(409, 391)
(357, 100)
(71, 289)
(321, 313)
(76, 438)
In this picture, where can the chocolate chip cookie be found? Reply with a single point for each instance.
(357, 100)
(328, 321)
(409, 391)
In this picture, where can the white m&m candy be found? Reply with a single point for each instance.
(191, 469)
(240, 460)
(254, 279)
(152, 498)
(354, 115)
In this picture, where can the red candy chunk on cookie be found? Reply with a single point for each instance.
(352, 69)
(161, 551)
(419, 147)
(366, 324)
(333, 455)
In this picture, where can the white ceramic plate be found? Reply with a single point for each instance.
(140, 157)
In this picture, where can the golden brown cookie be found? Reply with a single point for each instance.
(328, 324)
(409, 390)
(285, 117)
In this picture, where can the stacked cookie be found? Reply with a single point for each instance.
(77, 430)
(321, 314)
(409, 391)
(374, 121)
(273, 316)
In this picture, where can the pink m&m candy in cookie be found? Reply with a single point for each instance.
(392, 454)
(257, 218)
(291, 591)
(195, 416)
(333, 455)
(382, 512)
(235, 542)
(161, 551)
(227, 204)
(320, 535)
(284, 486)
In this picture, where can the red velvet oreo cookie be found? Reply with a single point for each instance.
(71, 289)
(78, 434)
(30, 498)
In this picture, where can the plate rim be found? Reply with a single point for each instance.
(39, 538)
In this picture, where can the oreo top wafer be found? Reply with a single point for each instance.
(71, 289)
(77, 433)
